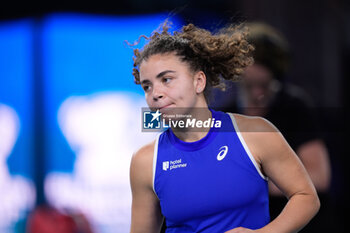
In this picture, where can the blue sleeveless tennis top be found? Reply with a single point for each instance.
(211, 185)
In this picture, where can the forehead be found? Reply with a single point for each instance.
(158, 63)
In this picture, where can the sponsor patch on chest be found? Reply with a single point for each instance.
(174, 164)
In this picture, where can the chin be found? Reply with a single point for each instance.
(168, 110)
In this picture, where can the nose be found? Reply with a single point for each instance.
(157, 97)
(157, 93)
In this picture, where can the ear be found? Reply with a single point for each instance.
(199, 82)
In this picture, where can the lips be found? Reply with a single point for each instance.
(165, 106)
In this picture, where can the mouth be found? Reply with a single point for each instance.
(165, 106)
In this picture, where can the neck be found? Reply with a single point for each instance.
(192, 134)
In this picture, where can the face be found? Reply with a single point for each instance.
(169, 83)
(257, 85)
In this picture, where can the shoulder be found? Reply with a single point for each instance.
(262, 138)
(141, 167)
(144, 155)
(253, 124)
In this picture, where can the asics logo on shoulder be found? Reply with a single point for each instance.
(222, 153)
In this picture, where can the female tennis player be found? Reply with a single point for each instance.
(209, 177)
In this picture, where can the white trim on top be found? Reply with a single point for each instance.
(251, 157)
(155, 157)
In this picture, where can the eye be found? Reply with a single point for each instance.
(166, 79)
(146, 88)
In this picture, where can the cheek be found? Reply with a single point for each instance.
(148, 99)
(181, 94)
(188, 89)
(187, 97)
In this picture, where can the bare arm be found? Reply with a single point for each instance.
(280, 163)
(314, 156)
(145, 214)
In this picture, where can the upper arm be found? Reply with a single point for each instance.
(315, 158)
(276, 158)
(146, 215)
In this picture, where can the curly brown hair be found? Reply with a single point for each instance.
(222, 55)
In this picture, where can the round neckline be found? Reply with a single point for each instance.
(196, 145)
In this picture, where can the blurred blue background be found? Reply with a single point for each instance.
(64, 66)
(72, 63)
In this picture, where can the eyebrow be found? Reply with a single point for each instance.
(161, 74)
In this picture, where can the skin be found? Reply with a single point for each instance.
(259, 88)
(169, 83)
(184, 88)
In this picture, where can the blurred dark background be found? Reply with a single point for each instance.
(318, 32)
